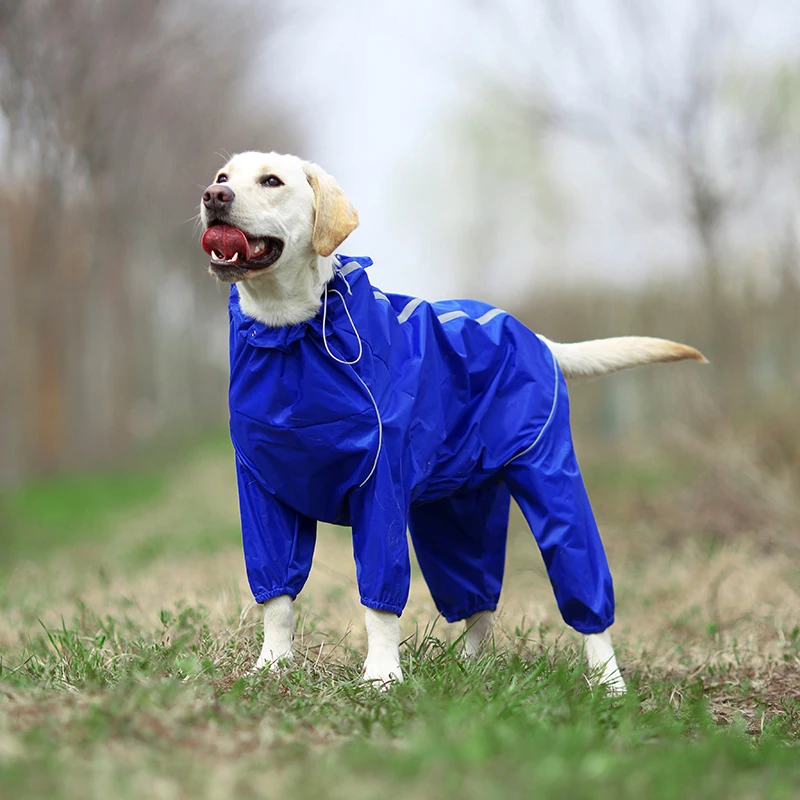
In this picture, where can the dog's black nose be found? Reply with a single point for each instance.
(218, 197)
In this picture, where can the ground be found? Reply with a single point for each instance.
(127, 635)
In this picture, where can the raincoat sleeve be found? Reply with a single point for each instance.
(278, 541)
(378, 515)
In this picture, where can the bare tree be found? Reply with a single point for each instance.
(666, 92)
(112, 113)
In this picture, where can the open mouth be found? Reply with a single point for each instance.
(234, 253)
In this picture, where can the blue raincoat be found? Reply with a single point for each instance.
(389, 413)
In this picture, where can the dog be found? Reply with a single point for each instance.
(391, 414)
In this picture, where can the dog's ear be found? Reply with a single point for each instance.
(334, 218)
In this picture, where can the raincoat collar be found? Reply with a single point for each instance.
(260, 335)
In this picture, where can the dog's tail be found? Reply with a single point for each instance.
(603, 356)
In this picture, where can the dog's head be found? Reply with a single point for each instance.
(264, 210)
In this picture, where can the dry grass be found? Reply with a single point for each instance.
(141, 684)
(689, 606)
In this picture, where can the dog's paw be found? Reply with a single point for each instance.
(613, 684)
(382, 667)
(477, 631)
(274, 662)
(382, 673)
(603, 663)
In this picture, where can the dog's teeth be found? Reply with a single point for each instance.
(235, 257)
(216, 256)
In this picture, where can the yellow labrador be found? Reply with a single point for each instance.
(272, 223)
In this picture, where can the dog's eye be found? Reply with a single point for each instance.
(271, 180)
(222, 178)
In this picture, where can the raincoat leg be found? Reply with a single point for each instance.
(460, 543)
(547, 483)
(278, 542)
(378, 515)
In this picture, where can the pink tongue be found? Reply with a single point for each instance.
(226, 241)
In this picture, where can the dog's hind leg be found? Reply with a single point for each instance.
(602, 662)
(477, 630)
(460, 542)
(546, 483)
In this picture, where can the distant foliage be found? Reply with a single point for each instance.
(112, 116)
(683, 119)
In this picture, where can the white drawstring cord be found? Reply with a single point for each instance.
(350, 363)
(352, 325)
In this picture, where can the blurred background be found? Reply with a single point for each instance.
(606, 168)
(599, 168)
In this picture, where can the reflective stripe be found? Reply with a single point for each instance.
(409, 309)
(482, 320)
(412, 305)
(549, 418)
(350, 266)
(451, 315)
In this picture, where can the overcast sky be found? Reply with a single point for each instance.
(375, 84)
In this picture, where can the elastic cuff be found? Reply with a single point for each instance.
(588, 629)
(457, 616)
(262, 597)
(375, 606)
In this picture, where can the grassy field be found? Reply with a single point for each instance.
(127, 634)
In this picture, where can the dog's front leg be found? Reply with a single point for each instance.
(602, 662)
(278, 633)
(478, 628)
(382, 666)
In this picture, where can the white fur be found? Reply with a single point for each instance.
(382, 666)
(286, 295)
(289, 292)
(278, 633)
(602, 662)
(477, 630)
(604, 356)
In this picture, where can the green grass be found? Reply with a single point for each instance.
(619, 487)
(57, 513)
(53, 513)
(114, 694)
(104, 700)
